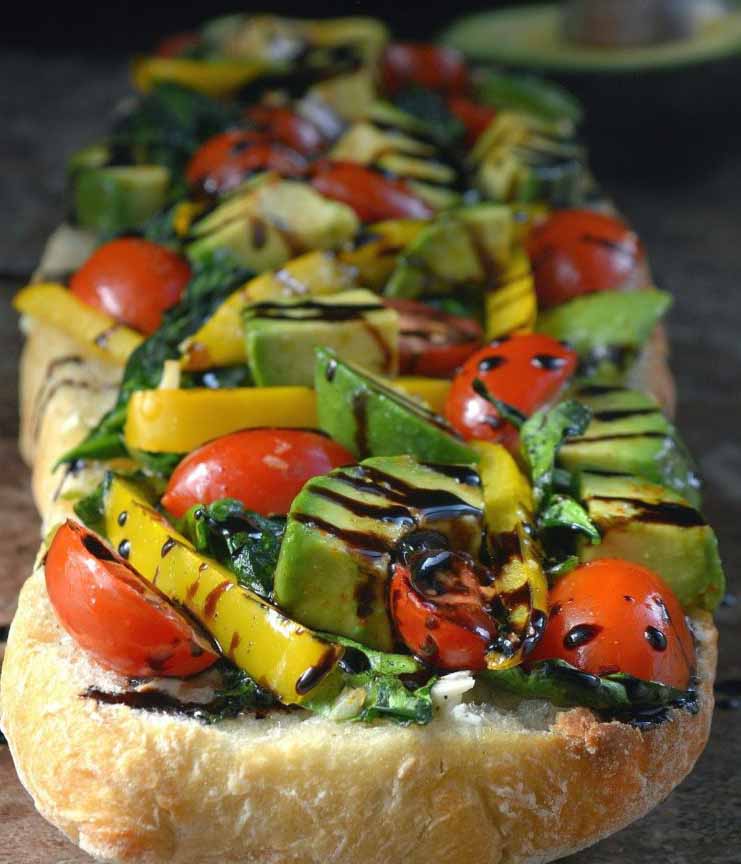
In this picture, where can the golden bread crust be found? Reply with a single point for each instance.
(493, 786)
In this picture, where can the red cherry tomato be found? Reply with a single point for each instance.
(371, 195)
(115, 614)
(263, 468)
(476, 118)
(576, 252)
(431, 342)
(230, 158)
(526, 370)
(439, 610)
(177, 44)
(133, 281)
(283, 125)
(422, 64)
(615, 616)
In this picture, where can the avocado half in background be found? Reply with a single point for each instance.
(671, 108)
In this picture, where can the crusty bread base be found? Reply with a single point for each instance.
(525, 785)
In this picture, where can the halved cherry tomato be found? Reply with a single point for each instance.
(526, 370)
(424, 65)
(476, 118)
(615, 616)
(177, 44)
(133, 281)
(228, 159)
(263, 468)
(281, 124)
(439, 610)
(372, 196)
(576, 252)
(432, 342)
(115, 614)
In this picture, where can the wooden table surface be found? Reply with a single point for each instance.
(693, 232)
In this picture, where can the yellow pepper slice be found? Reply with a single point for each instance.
(513, 306)
(278, 653)
(212, 77)
(375, 258)
(220, 340)
(99, 335)
(521, 585)
(177, 421)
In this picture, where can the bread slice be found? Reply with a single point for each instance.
(497, 784)
(482, 784)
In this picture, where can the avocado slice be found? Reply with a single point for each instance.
(467, 246)
(654, 526)
(271, 221)
(281, 335)
(628, 433)
(279, 654)
(342, 531)
(371, 419)
(607, 328)
(521, 157)
(111, 198)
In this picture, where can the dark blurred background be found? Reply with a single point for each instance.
(63, 69)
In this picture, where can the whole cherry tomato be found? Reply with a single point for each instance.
(577, 252)
(263, 468)
(439, 610)
(615, 616)
(372, 196)
(422, 64)
(476, 118)
(432, 342)
(133, 281)
(115, 614)
(228, 159)
(177, 44)
(281, 124)
(526, 371)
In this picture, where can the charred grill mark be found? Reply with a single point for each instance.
(624, 413)
(665, 513)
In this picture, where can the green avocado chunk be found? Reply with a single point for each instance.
(654, 526)
(628, 433)
(281, 336)
(114, 198)
(341, 531)
(370, 418)
(468, 246)
(608, 327)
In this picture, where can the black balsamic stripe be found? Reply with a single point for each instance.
(665, 512)
(609, 416)
(617, 437)
(367, 543)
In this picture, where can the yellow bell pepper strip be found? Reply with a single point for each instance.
(374, 251)
(220, 341)
(212, 77)
(99, 335)
(520, 586)
(278, 653)
(178, 421)
(513, 306)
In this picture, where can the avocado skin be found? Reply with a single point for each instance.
(595, 324)
(281, 336)
(369, 418)
(341, 533)
(654, 526)
(629, 434)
